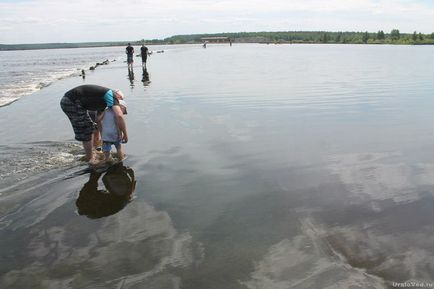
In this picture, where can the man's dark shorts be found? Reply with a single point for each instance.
(81, 122)
(130, 59)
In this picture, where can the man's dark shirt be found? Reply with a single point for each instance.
(91, 96)
(130, 50)
(144, 51)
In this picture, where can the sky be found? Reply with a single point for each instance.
(46, 21)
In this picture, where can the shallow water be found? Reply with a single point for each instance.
(257, 166)
(24, 72)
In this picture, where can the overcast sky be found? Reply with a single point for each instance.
(41, 21)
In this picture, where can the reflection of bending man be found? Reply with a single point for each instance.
(119, 183)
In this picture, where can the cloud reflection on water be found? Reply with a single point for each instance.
(383, 235)
(133, 248)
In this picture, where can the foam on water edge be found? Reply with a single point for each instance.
(22, 160)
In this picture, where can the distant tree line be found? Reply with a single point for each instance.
(380, 37)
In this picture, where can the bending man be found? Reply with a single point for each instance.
(78, 101)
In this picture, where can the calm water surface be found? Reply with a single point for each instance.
(257, 166)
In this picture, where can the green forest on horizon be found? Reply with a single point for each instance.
(379, 37)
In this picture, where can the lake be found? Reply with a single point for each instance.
(257, 166)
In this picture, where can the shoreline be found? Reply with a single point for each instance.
(74, 72)
(221, 43)
(394, 37)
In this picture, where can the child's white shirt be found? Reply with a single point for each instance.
(110, 130)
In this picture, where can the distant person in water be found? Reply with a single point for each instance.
(111, 133)
(78, 101)
(130, 55)
(144, 54)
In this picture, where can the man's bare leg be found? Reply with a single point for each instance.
(88, 150)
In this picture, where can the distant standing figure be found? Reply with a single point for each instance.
(130, 55)
(78, 101)
(144, 54)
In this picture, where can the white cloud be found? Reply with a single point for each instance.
(98, 20)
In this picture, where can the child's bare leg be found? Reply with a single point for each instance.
(107, 155)
(120, 152)
(106, 148)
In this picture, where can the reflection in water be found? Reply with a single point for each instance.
(301, 176)
(309, 260)
(63, 250)
(131, 76)
(145, 77)
(119, 182)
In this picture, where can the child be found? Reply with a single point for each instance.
(110, 132)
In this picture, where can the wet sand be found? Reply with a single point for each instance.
(230, 193)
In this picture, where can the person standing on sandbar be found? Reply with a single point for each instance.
(130, 55)
(144, 54)
(78, 101)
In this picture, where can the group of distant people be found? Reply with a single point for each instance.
(144, 53)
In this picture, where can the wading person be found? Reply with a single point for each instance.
(144, 54)
(130, 55)
(78, 101)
